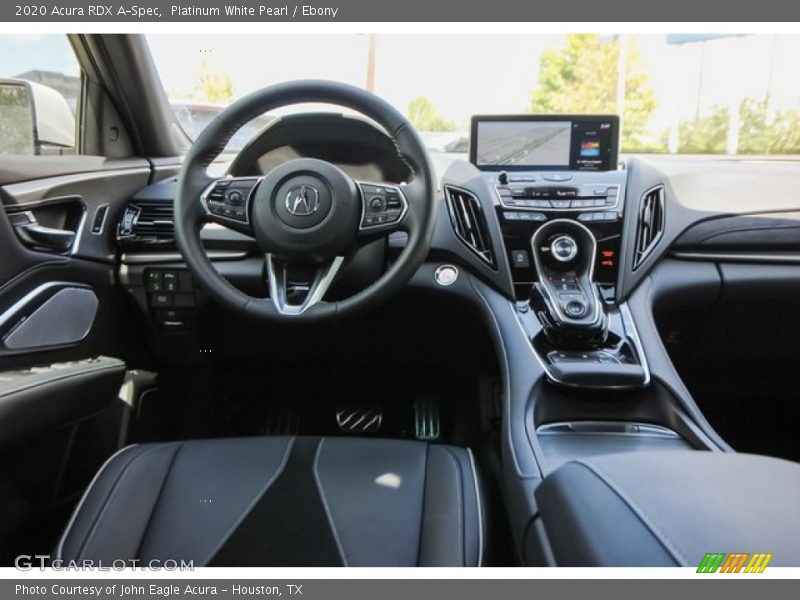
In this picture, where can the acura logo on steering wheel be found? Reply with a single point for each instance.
(302, 200)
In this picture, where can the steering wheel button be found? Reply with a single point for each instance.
(235, 197)
(376, 204)
(371, 189)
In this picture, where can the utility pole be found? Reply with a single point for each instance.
(371, 63)
(622, 79)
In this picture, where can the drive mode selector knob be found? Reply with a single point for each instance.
(564, 248)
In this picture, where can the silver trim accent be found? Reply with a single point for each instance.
(607, 207)
(556, 305)
(277, 285)
(628, 428)
(380, 226)
(633, 333)
(76, 240)
(212, 217)
(460, 237)
(765, 257)
(641, 259)
(573, 250)
(32, 295)
(438, 271)
(97, 209)
(29, 333)
(302, 199)
(478, 502)
(145, 258)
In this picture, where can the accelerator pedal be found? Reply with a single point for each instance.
(426, 419)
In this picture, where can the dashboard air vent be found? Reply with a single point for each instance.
(151, 222)
(649, 224)
(469, 222)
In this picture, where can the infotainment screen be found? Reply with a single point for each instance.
(533, 142)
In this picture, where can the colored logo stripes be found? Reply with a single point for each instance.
(719, 562)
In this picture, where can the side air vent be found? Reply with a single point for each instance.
(147, 222)
(469, 222)
(649, 224)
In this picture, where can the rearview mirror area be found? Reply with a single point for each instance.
(34, 119)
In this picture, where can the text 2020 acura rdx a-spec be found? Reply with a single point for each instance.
(330, 347)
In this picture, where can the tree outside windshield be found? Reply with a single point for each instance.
(676, 94)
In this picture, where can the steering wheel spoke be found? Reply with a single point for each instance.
(228, 201)
(383, 208)
(296, 289)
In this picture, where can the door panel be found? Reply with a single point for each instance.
(61, 413)
(45, 281)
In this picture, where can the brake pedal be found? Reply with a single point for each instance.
(426, 419)
(364, 418)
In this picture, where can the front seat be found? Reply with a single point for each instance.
(282, 501)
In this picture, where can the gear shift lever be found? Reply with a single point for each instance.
(565, 299)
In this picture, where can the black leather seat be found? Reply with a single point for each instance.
(670, 509)
(282, 501)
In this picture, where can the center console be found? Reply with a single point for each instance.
(560, 198)
(578, 383)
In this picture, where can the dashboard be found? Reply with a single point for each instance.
(488, 214)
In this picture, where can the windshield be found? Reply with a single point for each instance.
(675, 94)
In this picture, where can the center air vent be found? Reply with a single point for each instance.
(469, 222)
(649, 224)
(151, 222)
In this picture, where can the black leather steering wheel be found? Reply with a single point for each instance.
(305, 214)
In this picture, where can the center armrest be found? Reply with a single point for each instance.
(670, 509)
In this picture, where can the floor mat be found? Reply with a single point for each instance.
(285, 400)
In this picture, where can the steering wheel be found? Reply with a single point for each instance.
(306, 215)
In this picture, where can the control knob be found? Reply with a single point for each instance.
(564, 248)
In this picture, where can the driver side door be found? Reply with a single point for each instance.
(65, 330)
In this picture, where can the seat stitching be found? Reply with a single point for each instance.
(60, 548)
(256, 499)
(321, 492)
(657, 531)
(478, 504)
(158, 497)
(422, 505)
(460, 490)
(110, 497)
